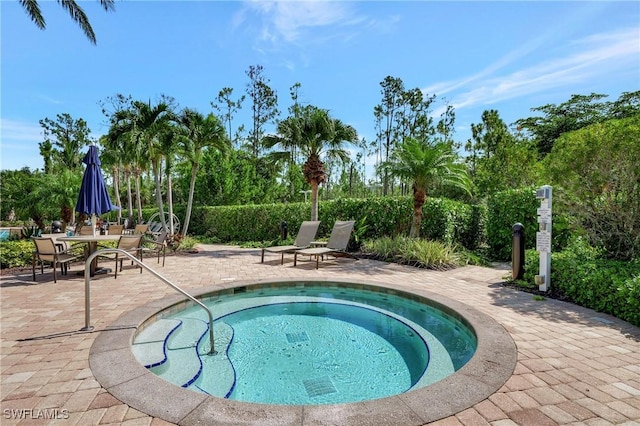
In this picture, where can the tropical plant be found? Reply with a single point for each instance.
(139, 127)
(199, 132)
(314, 133)
(427, 164)
(111, 158)
(75, 11)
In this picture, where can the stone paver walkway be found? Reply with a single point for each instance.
(575, 366)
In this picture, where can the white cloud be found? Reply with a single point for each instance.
(18, 131)
(288, 20)
(597, 56)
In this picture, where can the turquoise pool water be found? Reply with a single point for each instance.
(4, 234)
(306, 344)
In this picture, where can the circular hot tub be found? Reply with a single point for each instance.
(290, 351)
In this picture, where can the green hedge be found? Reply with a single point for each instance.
(580, 274)
(445, 220)
(505, 209)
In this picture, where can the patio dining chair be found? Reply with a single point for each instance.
(132, 244)
(157, 246)
(336, 246)
(46, 250)
(86, 230)
(116, 229)
(141, 229)
(306, 234)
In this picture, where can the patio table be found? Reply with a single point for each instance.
(92, 243)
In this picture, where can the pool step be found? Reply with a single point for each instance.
(183, 365)
(148, 346)
(218, 376)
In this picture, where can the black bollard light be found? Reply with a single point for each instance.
(517, 252)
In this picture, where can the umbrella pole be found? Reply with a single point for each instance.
(93, 224)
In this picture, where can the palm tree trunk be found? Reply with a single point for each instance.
(170, 204)
(158, 186)
(419, 198)
(192, 185)
(127, 176)
(116, 189)
(138, 195)
(314, 199)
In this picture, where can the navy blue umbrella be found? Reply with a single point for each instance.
(93, 198)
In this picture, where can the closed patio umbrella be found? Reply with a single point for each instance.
(93, 198)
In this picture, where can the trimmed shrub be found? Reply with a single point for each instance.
(581, 275)
(505, 209)
(16, 253)
(445, 220)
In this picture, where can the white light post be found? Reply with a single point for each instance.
(543, 237)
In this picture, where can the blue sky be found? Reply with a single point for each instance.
(475, 55)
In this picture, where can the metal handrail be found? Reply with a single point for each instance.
(87, 298)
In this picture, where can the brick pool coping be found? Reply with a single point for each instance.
(114, 366)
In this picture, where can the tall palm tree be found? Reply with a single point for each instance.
(199, 132)
(75, 11)
(314, 133)
(143, 122)
(166, 150)
(112, 159)
(427, 164)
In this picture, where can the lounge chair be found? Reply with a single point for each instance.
(336, 246)
(306, 234)
(46, 250)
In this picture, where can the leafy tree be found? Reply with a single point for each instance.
(578, 112)
(264, 106)
(498, 159)
(406, 114)
(228, 107)
(595, 172)
(386, 115)
(627, 105)
(75, 11)
(199, 132)
(46, 151)
(14, 185)
(427, 164)
(314, 133)
(64, 141)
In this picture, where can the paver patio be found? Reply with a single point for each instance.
(575, 366)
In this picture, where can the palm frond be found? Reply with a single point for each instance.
(78, 15)
(33, 10)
